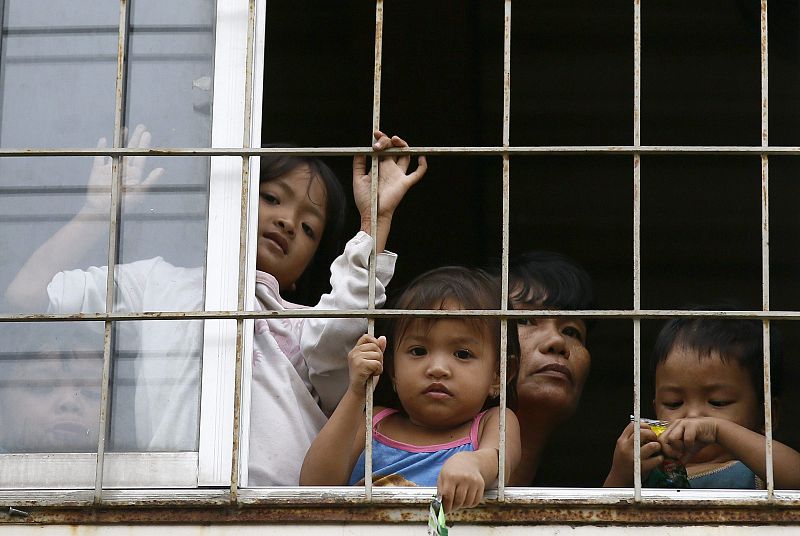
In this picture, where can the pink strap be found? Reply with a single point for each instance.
(382, 414)
(473, 433)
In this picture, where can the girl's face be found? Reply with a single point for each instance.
(688, 385)
(444, 371)
(554, 364)
(291, 221)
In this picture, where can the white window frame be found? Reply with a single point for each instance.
(211, 464)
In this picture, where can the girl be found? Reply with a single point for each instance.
(445, 373)
(709, 387)
(299, 365)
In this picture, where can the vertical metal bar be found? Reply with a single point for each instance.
(243, 247)
(637, 284)
(376, 121)
(113, 243)
(501, 468)
(765, 248)
(2, 62)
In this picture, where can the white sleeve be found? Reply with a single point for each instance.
(84, 291)
(325, 342)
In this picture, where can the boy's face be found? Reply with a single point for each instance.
(689, 385)
(51, 403)
(554, 364)
(291, 221)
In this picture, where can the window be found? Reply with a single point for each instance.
(182, 74)
(648, 173)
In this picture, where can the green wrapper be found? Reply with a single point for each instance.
(671, 473)
(437, 522)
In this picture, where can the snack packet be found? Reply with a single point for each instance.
(437, 522)
(671, 473)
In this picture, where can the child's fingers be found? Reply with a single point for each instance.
(101, 160)
(651, 463)
(459, 497)
(359, 166)
(422, 168)
(382, 141)
(650, 449)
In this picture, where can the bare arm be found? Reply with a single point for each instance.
(393, 183)
(621, 473)
(69, 245)
(331, 457)
(685, 437)
(466, 475)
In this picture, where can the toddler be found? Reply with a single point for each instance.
(709, 388)
(442, 430)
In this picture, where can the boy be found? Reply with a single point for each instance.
(709, 387)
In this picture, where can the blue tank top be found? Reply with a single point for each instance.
(734, 475)
(399, 464)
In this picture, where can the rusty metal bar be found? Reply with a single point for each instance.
(765, 249)
(637, 282)
(243, 249)
(501, 462)
(117, 172)
(373, 201)
(314, 505)
(628, 314)
(526, 150)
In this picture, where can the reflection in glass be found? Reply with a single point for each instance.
(58, 69)
(50, 383)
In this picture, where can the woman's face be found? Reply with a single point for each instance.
(554, 363)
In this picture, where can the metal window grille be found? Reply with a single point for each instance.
(512, 496)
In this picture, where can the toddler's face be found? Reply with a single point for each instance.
(291, 221)
(688, 385)
(444, 372)
(51, 404)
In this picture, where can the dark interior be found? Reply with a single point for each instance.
(572, 84)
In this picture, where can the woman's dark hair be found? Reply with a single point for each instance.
(733, 339)
(440, 289)
(550, 280)
(315, 279)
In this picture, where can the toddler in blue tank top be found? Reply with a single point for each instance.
(445, 375)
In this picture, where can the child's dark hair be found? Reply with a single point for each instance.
(314, 280)
(734, 339)
(449, 287)
(550, 280)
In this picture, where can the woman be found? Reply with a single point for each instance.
(555, 361)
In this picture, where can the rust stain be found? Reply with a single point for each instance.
(492, 514)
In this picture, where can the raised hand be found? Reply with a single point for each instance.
(133, 170)
(394, 181)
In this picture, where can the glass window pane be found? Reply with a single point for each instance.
(50, 391)
(155, 402)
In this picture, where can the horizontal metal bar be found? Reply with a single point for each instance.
(387, 313)
(454, 151)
